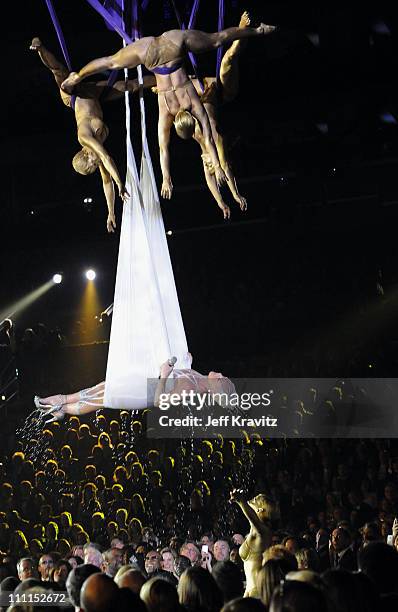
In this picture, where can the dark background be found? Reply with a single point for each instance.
(306, 281)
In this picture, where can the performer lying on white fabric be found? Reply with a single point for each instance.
(170, 381)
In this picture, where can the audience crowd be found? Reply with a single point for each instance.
(95, 508)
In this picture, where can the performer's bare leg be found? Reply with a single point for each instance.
(128, 57)
(82, 402)
(185, 40)
(229, 69)
(82, 407)
(71, 398)
(200, 42)
(60, 72)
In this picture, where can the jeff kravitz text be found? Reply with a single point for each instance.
(226, 420)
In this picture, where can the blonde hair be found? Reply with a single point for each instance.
(269, 508)
(184, 124)
(82, 164)
(280, 553)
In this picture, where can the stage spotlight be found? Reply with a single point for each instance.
(169, 233)
(90, 275)
(15, 309)
(88, 200)
(57, 279)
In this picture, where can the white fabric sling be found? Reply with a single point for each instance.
(147, 326)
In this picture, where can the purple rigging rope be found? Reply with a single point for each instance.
(191, 25)
(61, 40)
(194, 12)
(134, 26)
(177, 14)
(97, 6)
(60, 35)
(113, 23)
(221, 12)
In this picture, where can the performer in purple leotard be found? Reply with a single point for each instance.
(164, 56)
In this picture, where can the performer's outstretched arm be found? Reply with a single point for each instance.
(165, 371)
(199, 112)
(233, 187)
(109, 192)
(86, 139)
(215, 192)
(164, 127)
(256, 524)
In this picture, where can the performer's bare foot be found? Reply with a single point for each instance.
(70, 82)
(35, 44)
(50, 401)
(242, 202)
(263, 28)
(244, 20)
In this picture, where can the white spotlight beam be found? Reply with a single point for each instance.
(17, 307)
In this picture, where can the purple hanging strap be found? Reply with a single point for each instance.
(113, 23)
(191, 25)
(220, 27)
(114, 8)
(178, 16)
(134, 26)
(62, 42)
(97, 6)
(60, 35)
(194, 12)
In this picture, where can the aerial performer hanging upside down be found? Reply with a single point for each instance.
(170, 381)
(91, 129)
(164, 56)
(216, 92)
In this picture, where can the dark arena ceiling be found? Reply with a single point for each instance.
(314, 124)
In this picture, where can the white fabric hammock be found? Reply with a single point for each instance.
(147, 326)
